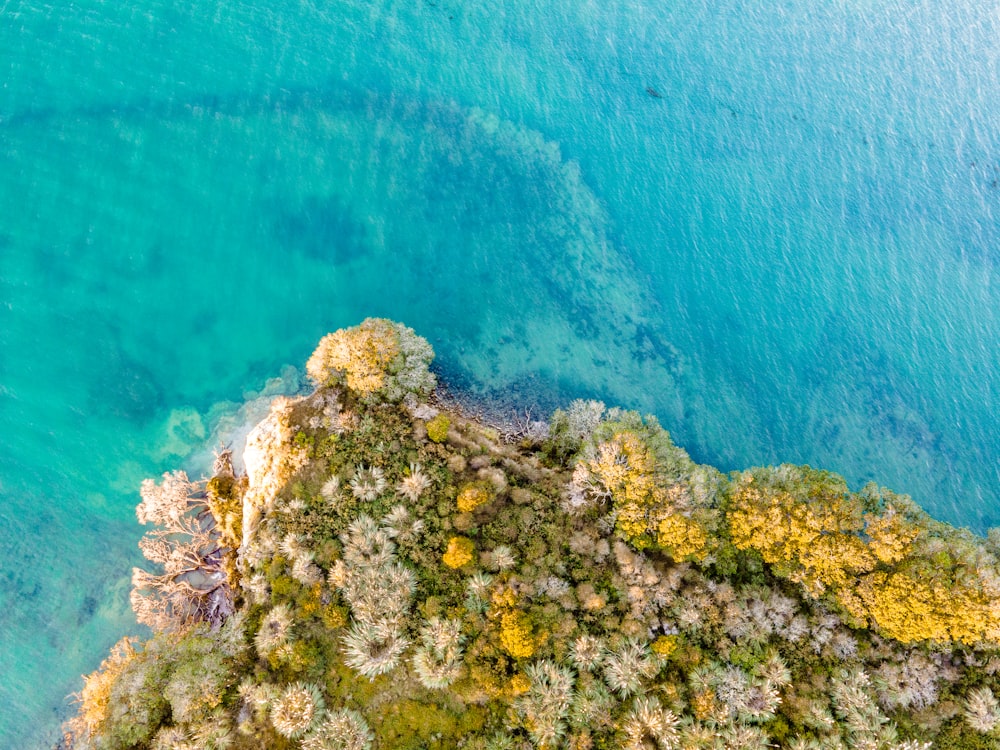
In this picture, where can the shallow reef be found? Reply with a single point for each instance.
(393, 572)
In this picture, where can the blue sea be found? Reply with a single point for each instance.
(774, 224)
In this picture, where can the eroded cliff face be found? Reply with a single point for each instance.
(271, 459)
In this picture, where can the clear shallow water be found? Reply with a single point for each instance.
(772, 224)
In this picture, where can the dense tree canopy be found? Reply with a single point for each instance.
(396, 575)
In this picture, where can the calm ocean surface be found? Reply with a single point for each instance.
(776, 225)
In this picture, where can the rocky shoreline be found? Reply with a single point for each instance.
(406, 574)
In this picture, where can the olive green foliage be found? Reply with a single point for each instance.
(419, 586)
(179, 680)
(437, 428)
(224, 493)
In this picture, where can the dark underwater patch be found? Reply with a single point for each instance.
(87, 609)
(322, 228)
(885, 395)
(124, 388)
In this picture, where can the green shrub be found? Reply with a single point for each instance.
(437, 428)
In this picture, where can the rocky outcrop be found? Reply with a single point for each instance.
(270, 459)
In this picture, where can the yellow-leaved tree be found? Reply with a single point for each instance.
(812, 537)
(885, 562)
(650, 483)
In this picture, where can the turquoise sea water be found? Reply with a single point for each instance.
(773, 224)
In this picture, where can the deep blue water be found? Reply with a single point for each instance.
(773, 224)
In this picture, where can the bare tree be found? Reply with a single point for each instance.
(193, 586)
